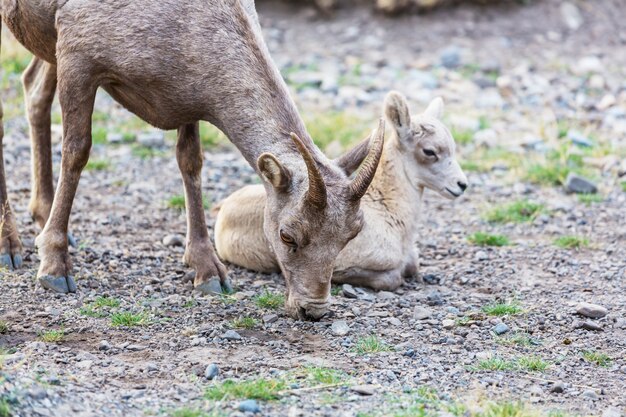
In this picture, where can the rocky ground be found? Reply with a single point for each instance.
(533, 94)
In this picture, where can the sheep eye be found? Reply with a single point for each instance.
(287, 240)
(429, 152)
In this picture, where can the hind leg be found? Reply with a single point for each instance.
(10, 245)
(377, 280)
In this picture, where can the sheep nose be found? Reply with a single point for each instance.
(462, 185)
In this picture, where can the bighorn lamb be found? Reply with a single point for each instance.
(174, 63)
(419, 154)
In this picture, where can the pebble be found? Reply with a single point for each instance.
(448, 324)
(481, 255)
(174, 240)
(249, 406)
(348, 291)
(590, 394)
(340, 328)
(587, 325)
(434, 299)
(450, 56)
(211, 371)
(558, 387)
(430, 279)
(270, 318)
(231, 335)
(579, 139)
(593, 311)
(580, 185)
(500, 329)
(571, 15)
(421, 313)
(364, 389)
(104, 345)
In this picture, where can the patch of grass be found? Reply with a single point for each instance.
(270, 300)
(495, 364)
(519, 339)
(555, 167)
(177, 202)
(589, 199)
(98, 165)
(532, 364)
(210, 136)
(107, 302)
(128, 319)
(98, 135)
(599, 358)
(462, 136)
(342, 127)
(190, 303)
(95, 309)
(471, 166)
(335, 290)
(517, 212)
(371, 344)
(52, 336)
(486, 239)
(4, 327)
(194, 412)
(507, 409)
(5, 408)
(502, 309)
(256, 389)
(244, 323)
(145, 152)
(623, 185)
(316, 375)
(571, 242)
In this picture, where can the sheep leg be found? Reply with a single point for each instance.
(211, 275)
(377, 280)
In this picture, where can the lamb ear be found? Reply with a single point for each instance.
(435, 108)
(274, 172)
(396, 110)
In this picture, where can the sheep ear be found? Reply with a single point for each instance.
(397, 112)
(435, 108)
(273, 172)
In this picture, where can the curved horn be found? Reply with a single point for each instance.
(366, 173)
(316, 194)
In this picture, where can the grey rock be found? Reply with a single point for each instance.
(448, 324)
(430, 279)
(612, 411)
(577, 184)
(340, 328)
(591, 395)
(481, 255)
(211, 371)
(174, 240)
(104, 345)
(593, 311)
(421, 313)
(587, 325)
(434, 299)
(364, 389)
(249, 406)
(579, 139)
(558, 387)
(571, 15)
(450, 57)
(115, 138)
(135, 348)
(385, 295)
(500, 329)
(231, 335)
(270, 318)
(348, 291)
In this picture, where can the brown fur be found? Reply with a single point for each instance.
(174, 63)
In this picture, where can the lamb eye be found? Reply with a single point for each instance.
(429, 152)
(287, 240)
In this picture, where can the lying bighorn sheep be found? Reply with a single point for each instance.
(419, 154)
(174, 63)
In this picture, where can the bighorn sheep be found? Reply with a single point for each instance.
(174, 63)
(419, 154)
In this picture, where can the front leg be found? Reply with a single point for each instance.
(77, 95)
(411, 265)
(378, 280)
(211, 275)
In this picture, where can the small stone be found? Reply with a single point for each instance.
(612, 411)
(385, 295)
(270, 318)
(364, 389)
(153, 139)
(434, 299)
(481, 255)
(249, 406)
(558, 387)
(340, 328)
(174, 240)
(587, 325)
(430, 279)
(394, 321)
(593, 311)
(348, 291)
(231, 335)
(500, 329)
(104, 345)
(590, 394)
(571, 15)
(579, 139)
(115, 138)
(450, 57)
(448, 324)
(577, 184)
(421, 313)
(135, 348)
(211, 371)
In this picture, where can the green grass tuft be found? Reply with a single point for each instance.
(532, 364)
(324, 376)
(516, 212)
(495, 364)
(210, 136)
(518, 339)
(462, 137)
(256, 389)
(269, 300)
(523, 363)
(371, 344)
(589, 199)
(128, 319)
(244, 323)
(599, 358)
(486, 239)
(502, 309)
(571, 242)
(177, 202)
(96, 309)
(341, 127)
(5, 408)
(106, 302)
(99, 135)
(52, 336)
(4, 327)
(623, 185)
(98, 165)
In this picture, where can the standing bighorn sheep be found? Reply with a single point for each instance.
(419, 154)
(174, 63)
